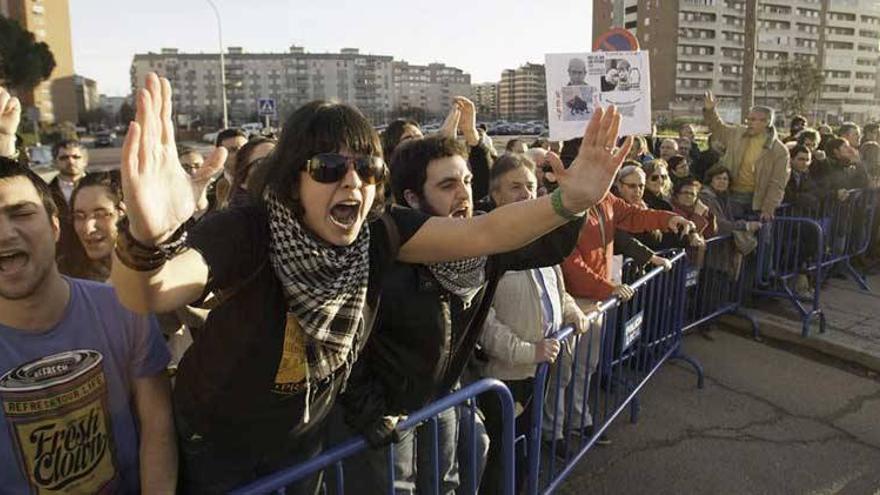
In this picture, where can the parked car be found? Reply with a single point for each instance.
(105, 139)
(210, 137)
(252, 128)
(40, 156)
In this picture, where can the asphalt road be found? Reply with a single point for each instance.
(767, 422)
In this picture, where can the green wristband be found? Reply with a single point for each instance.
(560, 209)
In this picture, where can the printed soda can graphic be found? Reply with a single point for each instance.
(56, 410)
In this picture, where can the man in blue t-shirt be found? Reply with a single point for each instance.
(84, 398)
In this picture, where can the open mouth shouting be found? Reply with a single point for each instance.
(12, 261)
(344, 214)
(461, 211)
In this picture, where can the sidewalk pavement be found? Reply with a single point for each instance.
(767, 422)
(852, 331)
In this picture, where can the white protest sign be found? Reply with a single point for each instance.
(577, 83)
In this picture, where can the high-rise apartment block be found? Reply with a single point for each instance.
(49, 21)
(698, 45)
(522, 93)
(485, 98)
(376, 84)
(428, 87)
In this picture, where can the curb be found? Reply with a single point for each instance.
(778, 332)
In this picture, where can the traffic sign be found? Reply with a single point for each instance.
(616, 40)
(266, 107)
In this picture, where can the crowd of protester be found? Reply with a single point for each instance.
(331, 281)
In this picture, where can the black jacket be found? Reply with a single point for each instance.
(833, 175)
(424, 335)
(802, 190)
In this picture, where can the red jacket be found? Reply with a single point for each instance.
(587, 268)
(706, 224)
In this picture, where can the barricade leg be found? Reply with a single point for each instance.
(473, 444)
(756, 332)
(436, 459)
(698, 368)
(856, 275)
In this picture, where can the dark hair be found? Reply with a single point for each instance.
(409, 166)
(243, 162)
(715, 171)
(110, 181)
(229, 133)
(687, 181)
(569, 151)
(540, 143)
(808, 132)
(676, 160)
(834, 144)
(798, 118)
(316, 127)
(847, 127)
(508, 163)
(392, 134)
(10, 168)
(798, 148)
(871, 127)
(66, 143)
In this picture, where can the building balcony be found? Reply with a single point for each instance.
(692, 57)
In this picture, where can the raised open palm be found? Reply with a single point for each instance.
(159, 195)
(10, 116)
(593, 170)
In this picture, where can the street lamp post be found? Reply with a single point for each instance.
(222, 66)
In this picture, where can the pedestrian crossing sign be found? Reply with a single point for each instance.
(266, 107)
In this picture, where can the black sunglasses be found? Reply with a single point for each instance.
(328, 168)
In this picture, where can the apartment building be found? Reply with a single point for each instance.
(485, 98)
(697, 45)
(522, 93)
(428, 87)
(49, 21)
(379, 86)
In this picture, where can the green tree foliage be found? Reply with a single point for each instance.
(126, 113)
(24, 62)
(801, 83)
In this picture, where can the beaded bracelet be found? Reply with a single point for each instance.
(140, 257)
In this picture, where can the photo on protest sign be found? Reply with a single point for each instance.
(579, 82)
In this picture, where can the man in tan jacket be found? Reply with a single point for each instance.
(756, 158)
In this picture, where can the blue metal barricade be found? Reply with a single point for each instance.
(715, 286)
(608, 366)
(333, 458)
(812, 243)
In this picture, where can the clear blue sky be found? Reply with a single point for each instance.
(483, 37)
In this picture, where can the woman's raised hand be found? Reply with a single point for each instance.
(159, 195)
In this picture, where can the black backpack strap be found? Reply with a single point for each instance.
(224, 295)
(393, 234)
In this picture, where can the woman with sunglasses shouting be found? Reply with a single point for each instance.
(297, 270)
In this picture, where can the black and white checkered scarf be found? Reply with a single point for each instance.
(464, 278)
(326, 287)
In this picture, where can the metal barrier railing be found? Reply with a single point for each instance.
(625, 346)
(812, 243)
(715, 287)
(333, 458)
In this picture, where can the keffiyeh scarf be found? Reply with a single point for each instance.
(325, 287)
(464, 278)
